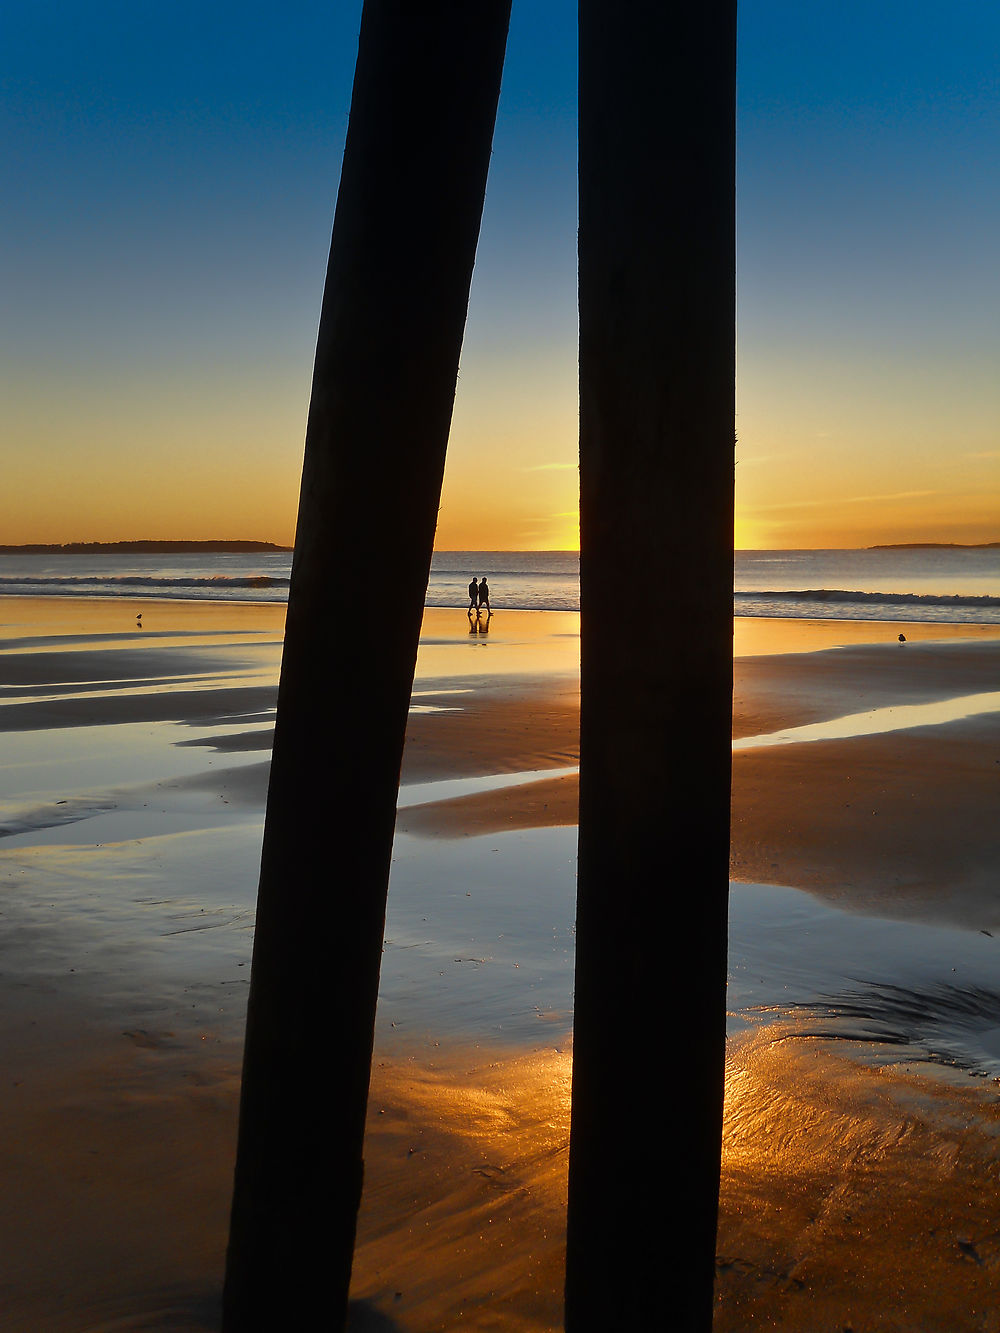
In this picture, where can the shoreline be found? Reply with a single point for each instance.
(136, 764)
(841, 629)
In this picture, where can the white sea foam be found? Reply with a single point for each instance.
(944, 585)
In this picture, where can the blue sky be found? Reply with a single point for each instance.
(169, 186)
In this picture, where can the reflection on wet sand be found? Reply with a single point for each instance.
(463, 1220)
(857, 1191)
(879, 721)
(848, 1197)
(852, 1199)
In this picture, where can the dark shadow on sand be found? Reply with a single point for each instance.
(364, 1318)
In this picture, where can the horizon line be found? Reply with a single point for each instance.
(240, 545)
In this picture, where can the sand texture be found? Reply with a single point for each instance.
(860, 1182)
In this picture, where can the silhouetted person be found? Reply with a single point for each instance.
(473, 594)
(484, 593)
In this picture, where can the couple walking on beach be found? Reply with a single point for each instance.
(479, 594)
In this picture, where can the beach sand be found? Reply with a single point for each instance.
(859, 1180)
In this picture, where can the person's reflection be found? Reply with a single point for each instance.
(479, 625)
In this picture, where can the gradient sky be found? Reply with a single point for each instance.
(169, 181)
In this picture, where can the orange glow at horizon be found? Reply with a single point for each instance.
(207, 470)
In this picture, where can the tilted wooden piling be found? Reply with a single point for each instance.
(393, 317)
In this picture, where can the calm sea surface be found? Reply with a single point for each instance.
(929, 585)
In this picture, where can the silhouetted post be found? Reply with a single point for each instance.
(397, 287)
(657, 372)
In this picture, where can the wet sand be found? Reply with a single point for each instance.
(859, 1182)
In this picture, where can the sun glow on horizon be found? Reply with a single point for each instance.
(162, 307)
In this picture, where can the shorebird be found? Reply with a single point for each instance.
(902, 638)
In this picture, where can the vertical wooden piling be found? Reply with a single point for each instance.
(657, 373)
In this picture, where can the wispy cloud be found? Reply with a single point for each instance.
(891, 495)
(985, 453)
(552, 467)
(827, 503)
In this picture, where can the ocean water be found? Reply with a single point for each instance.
(931, 584)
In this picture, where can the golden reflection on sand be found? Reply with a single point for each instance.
(852, 1196)
(754, 636)
(462, 1222)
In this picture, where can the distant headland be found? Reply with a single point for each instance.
(142, 548)
(936, 546)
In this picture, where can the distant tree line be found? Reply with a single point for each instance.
(936, 546)
(139, 548)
